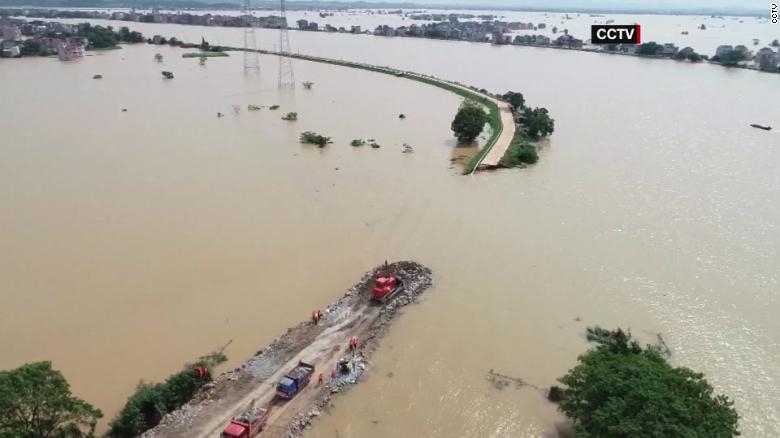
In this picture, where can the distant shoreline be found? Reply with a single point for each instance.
(550, 45)
(332, 5)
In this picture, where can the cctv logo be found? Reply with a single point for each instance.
(615, 34)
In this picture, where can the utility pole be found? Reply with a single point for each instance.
(251, 63)
(286, 73)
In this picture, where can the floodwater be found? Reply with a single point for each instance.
(135, 241)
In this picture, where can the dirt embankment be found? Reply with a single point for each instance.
(233, 392)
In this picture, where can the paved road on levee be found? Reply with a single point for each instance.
(507, 134)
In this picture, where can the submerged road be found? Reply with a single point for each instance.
(497, 144)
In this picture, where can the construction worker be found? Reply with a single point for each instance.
(332, 374)
(321, 379)
(314, 317)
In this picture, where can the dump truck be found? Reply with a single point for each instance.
(385, 287)
(294, 381)
(247, 425)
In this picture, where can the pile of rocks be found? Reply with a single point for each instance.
(417, 278)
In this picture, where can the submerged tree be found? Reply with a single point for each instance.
(469, 121)
(620, 390)
(516, 100)
(651, 48)
(35, 401)
(309, 137)
(538, 122)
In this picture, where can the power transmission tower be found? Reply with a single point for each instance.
(251, 63)
(286, 74)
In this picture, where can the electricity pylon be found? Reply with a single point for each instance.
(251, 63)
(286, 73)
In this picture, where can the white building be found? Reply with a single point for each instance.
(766, 58)
(11, 33)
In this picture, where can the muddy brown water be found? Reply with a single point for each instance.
(133, 242)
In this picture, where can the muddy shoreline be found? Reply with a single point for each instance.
(353, 313)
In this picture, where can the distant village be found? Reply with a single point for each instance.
(450, 26)
(44, 38)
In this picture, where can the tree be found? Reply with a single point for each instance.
(538, 122)
(651, 48)
(469, 121)
(127, 36)
(689, 54)
(516, 100)
(36, 402)
(31, 47)
(775, 43)
(619, 389)
(99, 37)
(204, 45)
(733, 58)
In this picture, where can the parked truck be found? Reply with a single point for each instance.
(247, 425)
(294, 381)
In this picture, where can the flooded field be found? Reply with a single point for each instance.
(135, 241)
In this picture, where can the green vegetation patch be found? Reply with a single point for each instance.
(620, 389)
(520, 152)
(309, 137)
(151, 401)
(35, 401)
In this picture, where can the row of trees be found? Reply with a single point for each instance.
(536, 122)
(151, 401)
(654, 49)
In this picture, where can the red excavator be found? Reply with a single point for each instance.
(386, 286)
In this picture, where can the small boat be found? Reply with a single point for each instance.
(765, 128)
